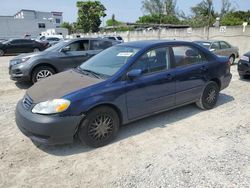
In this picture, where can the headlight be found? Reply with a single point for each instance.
(18, 61)
(51, 107)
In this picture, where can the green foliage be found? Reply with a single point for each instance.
(113, 22)
(235, 18)
(89, 15)
(203, 14)
(68, 26)
(158, 19)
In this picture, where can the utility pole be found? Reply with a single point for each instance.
(210, 2)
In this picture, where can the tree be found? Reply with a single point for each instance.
(68, 26)
(159, 11)
(203, 14)
(226, 7)
(153, 6)
(113, 22)
(89, 15)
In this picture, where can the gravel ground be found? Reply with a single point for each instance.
(185, 147)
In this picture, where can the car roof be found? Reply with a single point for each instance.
(152, 43)
(208, 41)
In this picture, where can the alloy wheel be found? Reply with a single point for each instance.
(101, 127)
(43, 74)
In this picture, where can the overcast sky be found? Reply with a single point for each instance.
(124, 10)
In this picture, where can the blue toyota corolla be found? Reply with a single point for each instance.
(121, 84)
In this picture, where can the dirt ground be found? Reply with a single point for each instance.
(185, 147)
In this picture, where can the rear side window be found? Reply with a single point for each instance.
(153, 61)
(187, 55)
(215, 46)
(99, 44)
(224, 45)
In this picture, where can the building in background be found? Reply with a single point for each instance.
(29, 23)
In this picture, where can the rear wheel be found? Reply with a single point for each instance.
(42, 72)
(1, 52)
(209, 96)
(231, 59)
(99, 127)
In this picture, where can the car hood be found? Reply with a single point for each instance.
(30, 55)
(59, 85)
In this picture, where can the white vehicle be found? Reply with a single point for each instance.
(116, 38)
(52, 40)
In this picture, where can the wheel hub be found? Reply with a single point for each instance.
(101, 127)
(211, 96)
(43, 74)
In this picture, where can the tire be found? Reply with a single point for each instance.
(36, 50)
(41, 72)
(95, 135)
(232, 59)
(209, 96)
(1, 52)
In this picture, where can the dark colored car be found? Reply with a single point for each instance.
(122, 84)
(244, 66)
(221, 48)
(17, 46)
(60, 57)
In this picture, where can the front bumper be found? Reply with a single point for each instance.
(46, 129)
(19, 72)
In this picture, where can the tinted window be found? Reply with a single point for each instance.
(119, 38)
(215, 46)
(53, 39)
(99, 44)
(153, 61)
(224, 45)
(81, 45)
(21, 41)
(41, 25)
(186, 55)
(111, 38)
(205, 44)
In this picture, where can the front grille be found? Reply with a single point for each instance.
(27, 102)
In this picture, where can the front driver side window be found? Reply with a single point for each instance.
(79, 46)
(153, 61)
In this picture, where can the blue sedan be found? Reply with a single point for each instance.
(122, 84)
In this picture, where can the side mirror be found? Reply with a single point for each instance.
(135, 73)
(65, 49)
(212, 50)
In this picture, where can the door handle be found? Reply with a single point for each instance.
(203, 69)
(169, 77)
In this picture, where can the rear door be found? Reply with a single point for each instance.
(215, 48)
(226, 49)
(154, 90)
(96, 46)
(191, 73)
(77, 54)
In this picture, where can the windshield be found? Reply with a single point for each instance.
(205, 44)
(57, 46)
(109, 61)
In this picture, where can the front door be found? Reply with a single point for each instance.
(154, 90)
(78, 53)
(191, 72)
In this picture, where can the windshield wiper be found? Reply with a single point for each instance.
(95, 74)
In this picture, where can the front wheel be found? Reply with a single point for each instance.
(99, 127)
(209, 96)
(42, 72)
